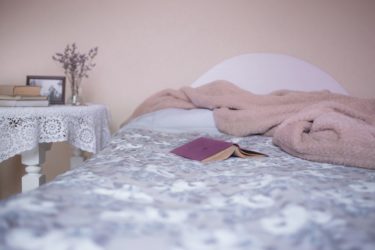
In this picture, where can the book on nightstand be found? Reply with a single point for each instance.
(23, 101)
(206, 149)
(19, 90)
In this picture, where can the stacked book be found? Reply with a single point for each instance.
(22, 96)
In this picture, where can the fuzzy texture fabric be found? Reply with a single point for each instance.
(319, 126)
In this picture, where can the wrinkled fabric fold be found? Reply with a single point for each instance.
(319, 126)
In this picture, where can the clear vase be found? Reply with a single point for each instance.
(75, 96)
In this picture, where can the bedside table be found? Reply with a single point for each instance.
(29, 131)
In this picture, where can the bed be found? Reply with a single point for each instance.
(135, 194)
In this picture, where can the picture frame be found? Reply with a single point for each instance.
(51, 86)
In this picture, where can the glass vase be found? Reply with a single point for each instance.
(75, 95)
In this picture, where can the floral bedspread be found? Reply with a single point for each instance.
(134, 194)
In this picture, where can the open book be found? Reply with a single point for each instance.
(206, 149)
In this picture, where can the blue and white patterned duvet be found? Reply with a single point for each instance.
(136, 195)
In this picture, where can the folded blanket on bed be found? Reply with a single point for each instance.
(320, 126)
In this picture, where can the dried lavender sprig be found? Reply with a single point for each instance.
(75, 64)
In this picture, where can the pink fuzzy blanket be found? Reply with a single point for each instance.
(319, 126)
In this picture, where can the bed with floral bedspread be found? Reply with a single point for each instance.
(136, 195)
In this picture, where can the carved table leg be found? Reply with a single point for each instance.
(33, 159)
(77, 158)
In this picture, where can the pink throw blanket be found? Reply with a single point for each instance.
(319, 126)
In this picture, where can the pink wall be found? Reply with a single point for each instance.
(145, 46)
(157, 44)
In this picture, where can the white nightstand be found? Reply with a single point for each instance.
(29, 131)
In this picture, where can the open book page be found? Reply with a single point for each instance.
(244, 153)
(206, 149)
(222, 155)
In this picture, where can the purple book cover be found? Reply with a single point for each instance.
(201, 148)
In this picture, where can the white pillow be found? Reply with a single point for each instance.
(176, 120)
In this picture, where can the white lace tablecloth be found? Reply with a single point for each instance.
(22, 128)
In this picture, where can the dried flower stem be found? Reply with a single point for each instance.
(76, 65)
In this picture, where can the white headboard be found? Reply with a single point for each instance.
(262, 73)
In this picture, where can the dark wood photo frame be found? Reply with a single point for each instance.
(51, 86)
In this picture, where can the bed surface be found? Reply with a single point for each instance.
(136, 195)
